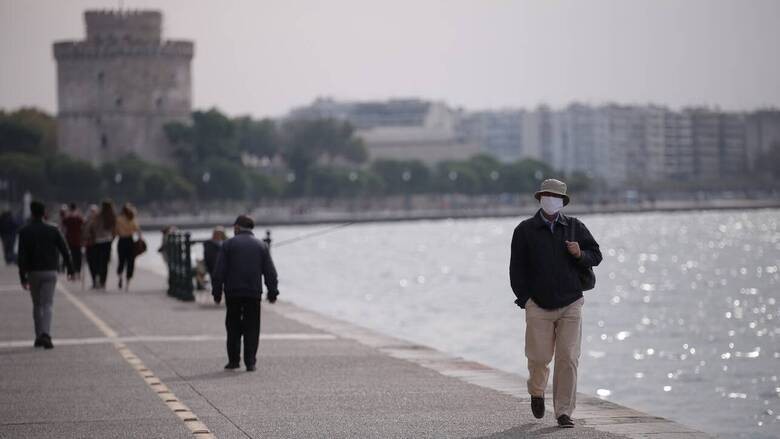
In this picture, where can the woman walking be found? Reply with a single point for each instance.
(126, 228)
(101, 233)
(89, 242)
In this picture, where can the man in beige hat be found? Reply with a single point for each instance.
(552, 257)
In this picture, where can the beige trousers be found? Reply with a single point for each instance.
(554, 332)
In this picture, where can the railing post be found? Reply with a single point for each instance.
(187, 287)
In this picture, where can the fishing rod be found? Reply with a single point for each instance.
(313, 234)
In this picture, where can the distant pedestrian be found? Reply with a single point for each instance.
(211, 249)
(164, 247)
(89, 243)
(9, 227)
(550, 254)
(73, 223)
(243, 262)
(39, 244)
(126, 229)
(101, 232)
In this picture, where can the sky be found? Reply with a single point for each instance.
(264, 57)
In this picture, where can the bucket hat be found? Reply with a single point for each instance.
(555, 187)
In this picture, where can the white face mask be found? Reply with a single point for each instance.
(551, 205)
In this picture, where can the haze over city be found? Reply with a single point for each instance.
(263, 58)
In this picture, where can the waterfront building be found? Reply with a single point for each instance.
(118, 88)
(498, 133)
(678, 146)
(399, 129)
(762, 135)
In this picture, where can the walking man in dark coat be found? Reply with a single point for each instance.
(39, 243)
(243, 262)
(549, 251)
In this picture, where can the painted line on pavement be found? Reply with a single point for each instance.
(191, 421)
(165, 338)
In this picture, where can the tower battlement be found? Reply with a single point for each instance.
(85, 49)
(118, 26)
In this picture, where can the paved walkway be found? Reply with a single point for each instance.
(139, 364)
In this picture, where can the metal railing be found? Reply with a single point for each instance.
(177, 250)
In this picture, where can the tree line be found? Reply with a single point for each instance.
(217, 157)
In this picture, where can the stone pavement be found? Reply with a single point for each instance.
(142, 365)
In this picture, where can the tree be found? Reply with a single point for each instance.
(525, 175)
(27, 130)
(72, 179)
(26, 172)
(403, 176)
(256, 137)
(307, 141)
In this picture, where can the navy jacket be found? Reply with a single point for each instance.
(542, 268)
(242, 263)
(39, 243)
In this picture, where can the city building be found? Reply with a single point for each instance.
(498, 133)
(119, 87)
(399, 129)
(761, 136)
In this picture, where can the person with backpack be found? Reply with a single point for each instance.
(550, 266)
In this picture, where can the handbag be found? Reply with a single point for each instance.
(139, 246)
(586, 274)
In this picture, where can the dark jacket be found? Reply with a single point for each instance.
(242, 263)
(39, 243)
(542, 268)
(210, 253)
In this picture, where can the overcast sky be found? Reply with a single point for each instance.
(263, 57)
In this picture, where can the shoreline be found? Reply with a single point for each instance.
(210, 220)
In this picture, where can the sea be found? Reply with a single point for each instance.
(684, 322)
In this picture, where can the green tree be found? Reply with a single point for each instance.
(221, 179)
(26, 172)
(27, 130)
(72, 179)
(257, 137)
(403, 176)
(525, 175)
(305, 142)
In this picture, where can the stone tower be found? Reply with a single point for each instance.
(119, 87)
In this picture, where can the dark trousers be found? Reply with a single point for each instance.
(89, 252)
(242, 318)
(75, 254)
(8, 247)
(126, 252)
(102, 256)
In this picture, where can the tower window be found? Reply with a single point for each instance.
(100, 76)
(103, 141)
(118, 101)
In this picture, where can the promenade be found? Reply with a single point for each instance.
(142, 365)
